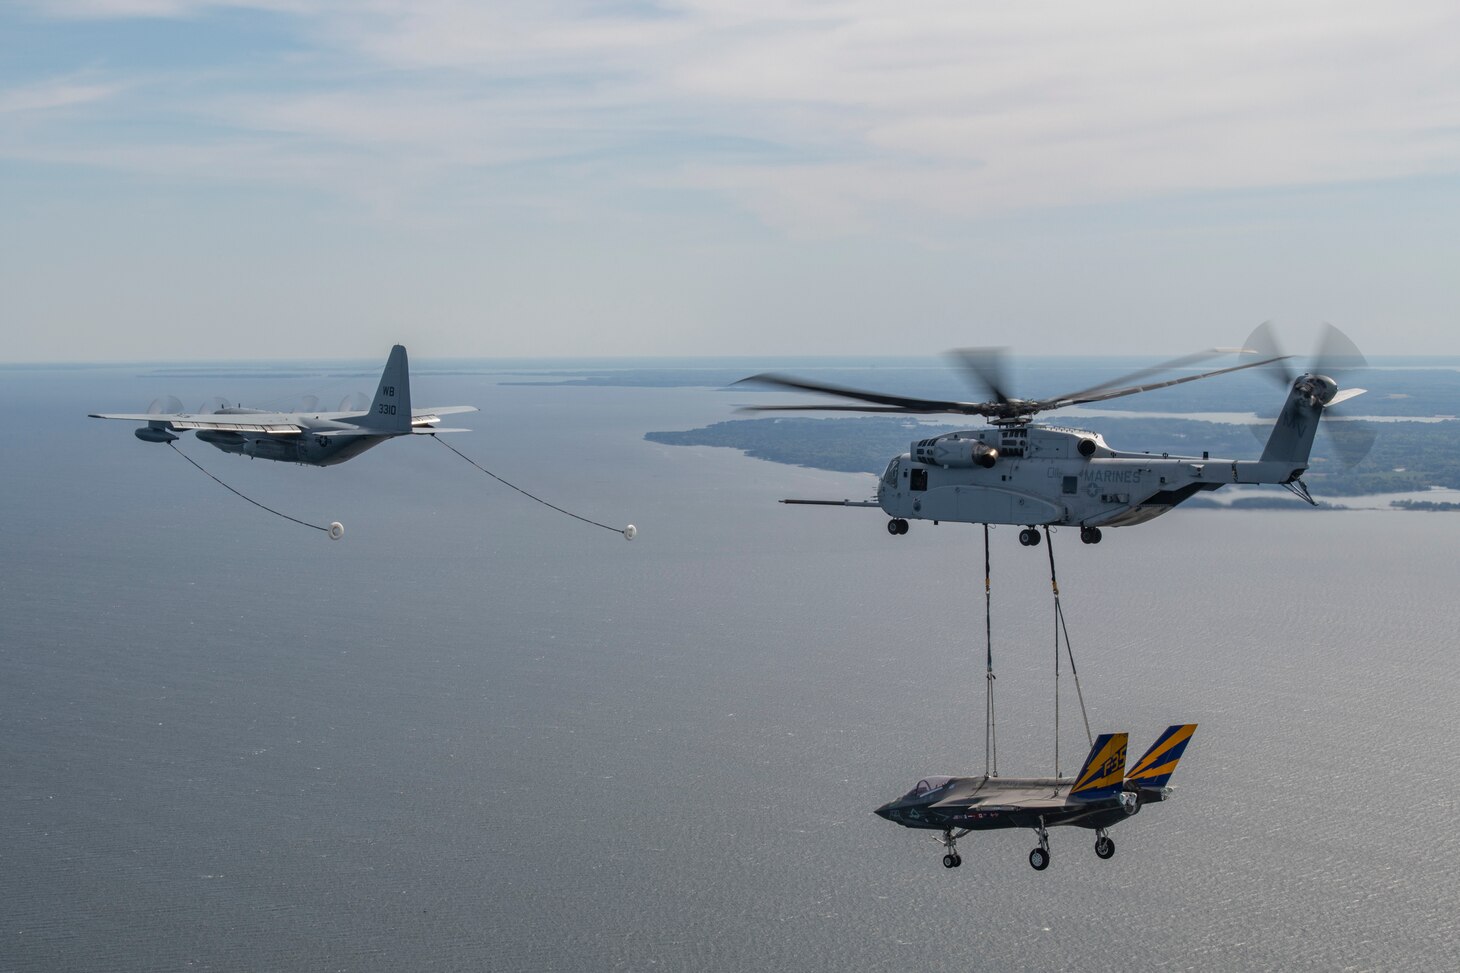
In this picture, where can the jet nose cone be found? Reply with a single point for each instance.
(885, 811)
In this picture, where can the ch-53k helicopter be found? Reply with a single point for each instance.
(1023, 473)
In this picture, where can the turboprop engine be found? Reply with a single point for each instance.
(950, 452)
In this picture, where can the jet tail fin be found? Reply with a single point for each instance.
(390, 411)
(1104, 771)
(1156, 767)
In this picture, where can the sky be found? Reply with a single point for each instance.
(201, 179)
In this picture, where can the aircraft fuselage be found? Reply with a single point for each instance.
(1033, 474)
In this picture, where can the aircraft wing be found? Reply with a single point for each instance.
(444, 410)
(273, 423)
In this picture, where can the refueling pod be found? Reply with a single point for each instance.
(154, 433)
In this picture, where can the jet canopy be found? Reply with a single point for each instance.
(927, 786)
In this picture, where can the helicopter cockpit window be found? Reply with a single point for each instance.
(890, 477)
(919, 479)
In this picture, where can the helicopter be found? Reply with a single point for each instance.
(1020, 472)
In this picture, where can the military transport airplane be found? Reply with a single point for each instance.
(1101, 795)
(310, 438)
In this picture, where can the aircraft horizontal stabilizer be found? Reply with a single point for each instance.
(433, 430)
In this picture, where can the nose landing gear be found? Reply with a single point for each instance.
(896, 526)
(1090, 535)
(1029, 537)
(949, 840)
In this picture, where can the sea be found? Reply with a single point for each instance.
(476, 734)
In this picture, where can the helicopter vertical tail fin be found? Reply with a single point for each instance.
(1154, 770)
(1103, 774)
(390, 411)
(1291, 439)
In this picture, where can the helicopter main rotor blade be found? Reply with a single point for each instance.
(987, 369)
(833, 408)
(1132, 390)
(897, 402)
(1141, 373)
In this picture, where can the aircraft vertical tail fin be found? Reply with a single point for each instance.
(1291, 439)
(390, 411)
(1104, 772)
(1156, 767)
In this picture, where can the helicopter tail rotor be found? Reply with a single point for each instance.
(1336, 357)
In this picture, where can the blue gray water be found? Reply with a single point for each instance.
(474, 734)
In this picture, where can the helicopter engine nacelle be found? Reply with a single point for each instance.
(953, 453)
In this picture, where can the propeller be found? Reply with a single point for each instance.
(985, 367)
(306, 403)
(169, 405)
(1335, 356)
(355, 402)
(216, 404)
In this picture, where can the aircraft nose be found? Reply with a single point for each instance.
(885, 811)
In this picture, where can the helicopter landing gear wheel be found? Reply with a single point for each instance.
(1090, 535)
(1029, 537)
(952, 860)
(1104, 847)
(896, 526)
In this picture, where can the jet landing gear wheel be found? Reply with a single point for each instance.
(1104, 847)
(949, 840)
(896, 526)
(1039, 857)
(1029, 537)
(1090, 535)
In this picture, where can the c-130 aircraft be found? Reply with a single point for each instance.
(1102, 794)
(309, 438)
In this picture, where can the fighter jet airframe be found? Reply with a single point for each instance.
(1101, 795)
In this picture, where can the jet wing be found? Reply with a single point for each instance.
(272, 423)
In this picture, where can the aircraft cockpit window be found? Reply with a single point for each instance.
(927, 785)
(890, 477)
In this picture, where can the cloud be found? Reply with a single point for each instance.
(824, 115)
(48, 95)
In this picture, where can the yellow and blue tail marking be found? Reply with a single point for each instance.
(1159, 763)
(1104, 772)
